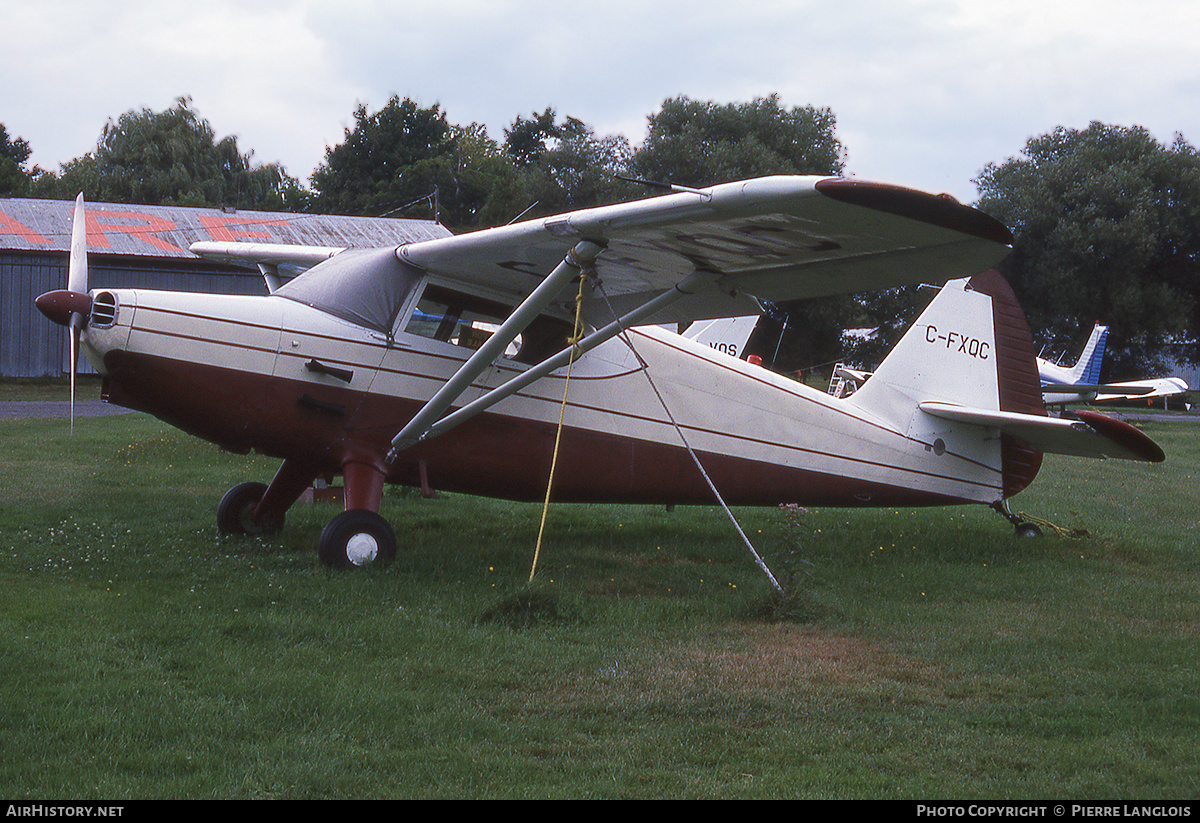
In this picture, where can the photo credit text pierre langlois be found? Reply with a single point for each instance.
(1060, 810)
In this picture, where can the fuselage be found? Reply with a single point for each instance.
(273, 375)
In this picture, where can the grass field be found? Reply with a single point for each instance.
(920, 654)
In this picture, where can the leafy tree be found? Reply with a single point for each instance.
(694, 143)
(559, 166)
(170, 157)
(16, 150)
(14, 180)
(526, 140)
(1106, 223)
(409, 161)
(480, 170)
(888, 313)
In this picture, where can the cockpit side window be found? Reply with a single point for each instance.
(466, 320)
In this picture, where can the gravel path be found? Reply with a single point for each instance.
(17, 409)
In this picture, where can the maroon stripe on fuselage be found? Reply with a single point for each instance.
(391, 403)
(491, 454)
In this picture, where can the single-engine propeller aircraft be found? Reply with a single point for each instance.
(1080, 383)
(459, 356)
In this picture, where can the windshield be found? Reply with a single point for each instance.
(366, 287)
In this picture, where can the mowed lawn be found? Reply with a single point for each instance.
(918, 654)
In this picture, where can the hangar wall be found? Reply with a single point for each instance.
(32, 346)
(132, 246)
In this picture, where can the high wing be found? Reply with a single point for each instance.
(1058, 394)
(693, 255)
(275, 254)
(773, 238)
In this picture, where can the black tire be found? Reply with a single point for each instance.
(356, 538)
(1028, 530)
(236, 509)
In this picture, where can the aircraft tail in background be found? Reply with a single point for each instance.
(725, 334)
(1085, 371)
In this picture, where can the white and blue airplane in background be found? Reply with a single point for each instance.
(1080, 382)
(1061, 384)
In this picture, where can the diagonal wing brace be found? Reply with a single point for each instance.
(581, 256)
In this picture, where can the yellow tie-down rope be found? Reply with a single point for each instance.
(576, 335)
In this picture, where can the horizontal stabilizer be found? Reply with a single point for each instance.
(1087, 434)
(1092, 389)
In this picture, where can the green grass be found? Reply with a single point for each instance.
(923, 653)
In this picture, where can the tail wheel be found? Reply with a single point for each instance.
(356, 538)
(1028, 530)
(235, 512)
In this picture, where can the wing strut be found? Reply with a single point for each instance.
(689, 286)
(580, 257)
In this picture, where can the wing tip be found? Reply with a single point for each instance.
(936, 209)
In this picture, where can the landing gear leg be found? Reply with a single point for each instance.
(1023, 527)
(359, 536)
(254, 508)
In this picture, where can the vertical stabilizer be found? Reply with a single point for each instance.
(1086, 370)
(970, 347)
(1095, 357)
(726, 334)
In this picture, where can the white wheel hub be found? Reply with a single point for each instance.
(362, 548)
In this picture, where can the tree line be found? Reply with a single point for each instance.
(1106, 220)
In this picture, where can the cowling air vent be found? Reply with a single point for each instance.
(104, 310)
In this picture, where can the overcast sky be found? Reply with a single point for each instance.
(926, 92)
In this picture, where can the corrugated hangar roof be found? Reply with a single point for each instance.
(168, 231)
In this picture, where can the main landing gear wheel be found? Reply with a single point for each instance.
(356, 538)
(235, 512)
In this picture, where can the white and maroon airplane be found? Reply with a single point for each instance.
(450, 358)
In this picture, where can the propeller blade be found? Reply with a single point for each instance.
(73, 341)
(77, 269)
(71, 306)
(77, 282)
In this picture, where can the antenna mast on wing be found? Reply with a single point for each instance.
(655, 184)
